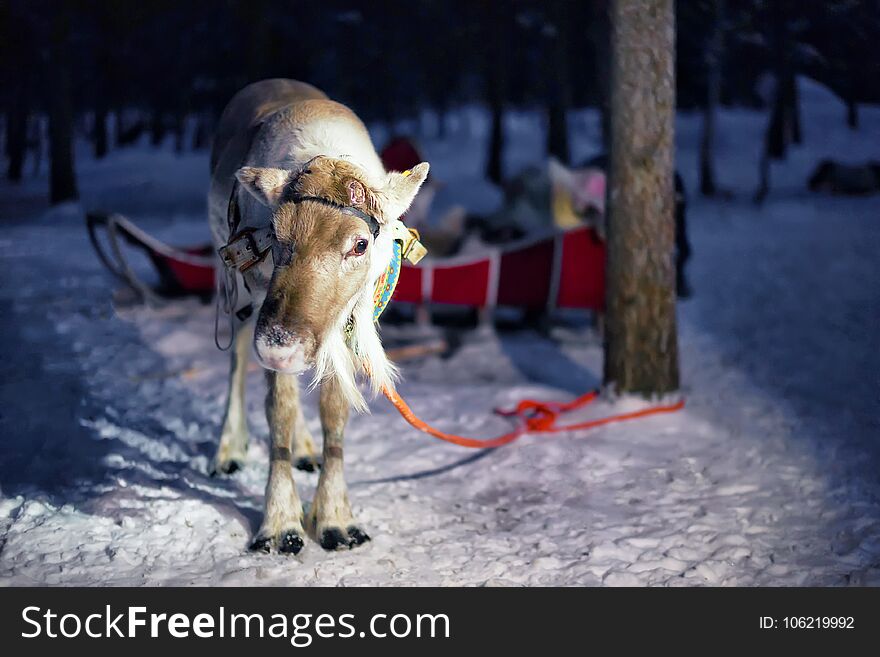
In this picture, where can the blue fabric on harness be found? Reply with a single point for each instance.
(387, 282)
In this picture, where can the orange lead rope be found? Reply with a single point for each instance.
(535, 417)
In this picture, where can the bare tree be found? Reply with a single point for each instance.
(714, 51)
(19, 85)
(598, 34)
(62, 179)
(641, 344)
(784, 126)
(496, 81)
(558, 91)
(16, 131)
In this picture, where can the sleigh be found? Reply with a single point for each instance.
(564, 269)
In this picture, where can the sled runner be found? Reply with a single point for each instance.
(182, 271)
(561, 270)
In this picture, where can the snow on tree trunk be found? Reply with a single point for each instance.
(641, 344)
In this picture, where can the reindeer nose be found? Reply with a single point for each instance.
(281, 350)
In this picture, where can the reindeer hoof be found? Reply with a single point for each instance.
(334, 539)
(290, 543)
(357, 536)
(307, 463)
(226, 468)
(261, 544)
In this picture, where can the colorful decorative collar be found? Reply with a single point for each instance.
(387, 282)
(405, 246)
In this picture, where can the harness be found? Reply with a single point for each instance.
(249, 247)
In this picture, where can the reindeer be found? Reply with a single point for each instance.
(304, 216)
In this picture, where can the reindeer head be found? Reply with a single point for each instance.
(330, 249)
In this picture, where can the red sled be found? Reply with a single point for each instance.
(561, 270)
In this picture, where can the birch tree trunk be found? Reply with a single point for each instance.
(641, 344)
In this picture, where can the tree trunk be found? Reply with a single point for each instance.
(62, 178)
(558, 93)
(494, 164)
(16, 139)
(179, 132)
(441, 108)
(201, 139)
(713, 96)
(557, 133)
(100, 129)
(19, 39)
(852, 114)
(707, 167)
(794, 108)
(783, 128)
(157, 127)
(496, 81)
(641, 344)
(120, 125)
(599, 35)
(102, 90)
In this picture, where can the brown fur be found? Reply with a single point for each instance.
(305, 297)
(338, 181)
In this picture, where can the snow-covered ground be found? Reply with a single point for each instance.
(768, 477)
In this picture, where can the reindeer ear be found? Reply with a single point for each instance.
(266, 185)
(400, 189)
(357, 193)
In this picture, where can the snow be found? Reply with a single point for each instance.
(768, 477)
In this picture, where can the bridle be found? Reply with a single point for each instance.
(250, 246)
(369, 219)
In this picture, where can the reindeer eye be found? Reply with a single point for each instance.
(360, 247)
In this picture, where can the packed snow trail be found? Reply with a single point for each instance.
(769, 476)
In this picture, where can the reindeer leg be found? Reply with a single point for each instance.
(232, 450)
(282, 520)
(330, 519)
(304, 456)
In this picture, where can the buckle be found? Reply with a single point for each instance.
(251, 246)
(413, 250)
(410, 247)
(242, 256)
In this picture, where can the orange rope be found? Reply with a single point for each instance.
(535, 417)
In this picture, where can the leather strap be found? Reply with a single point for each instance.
(247, 248)
(369, 219)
